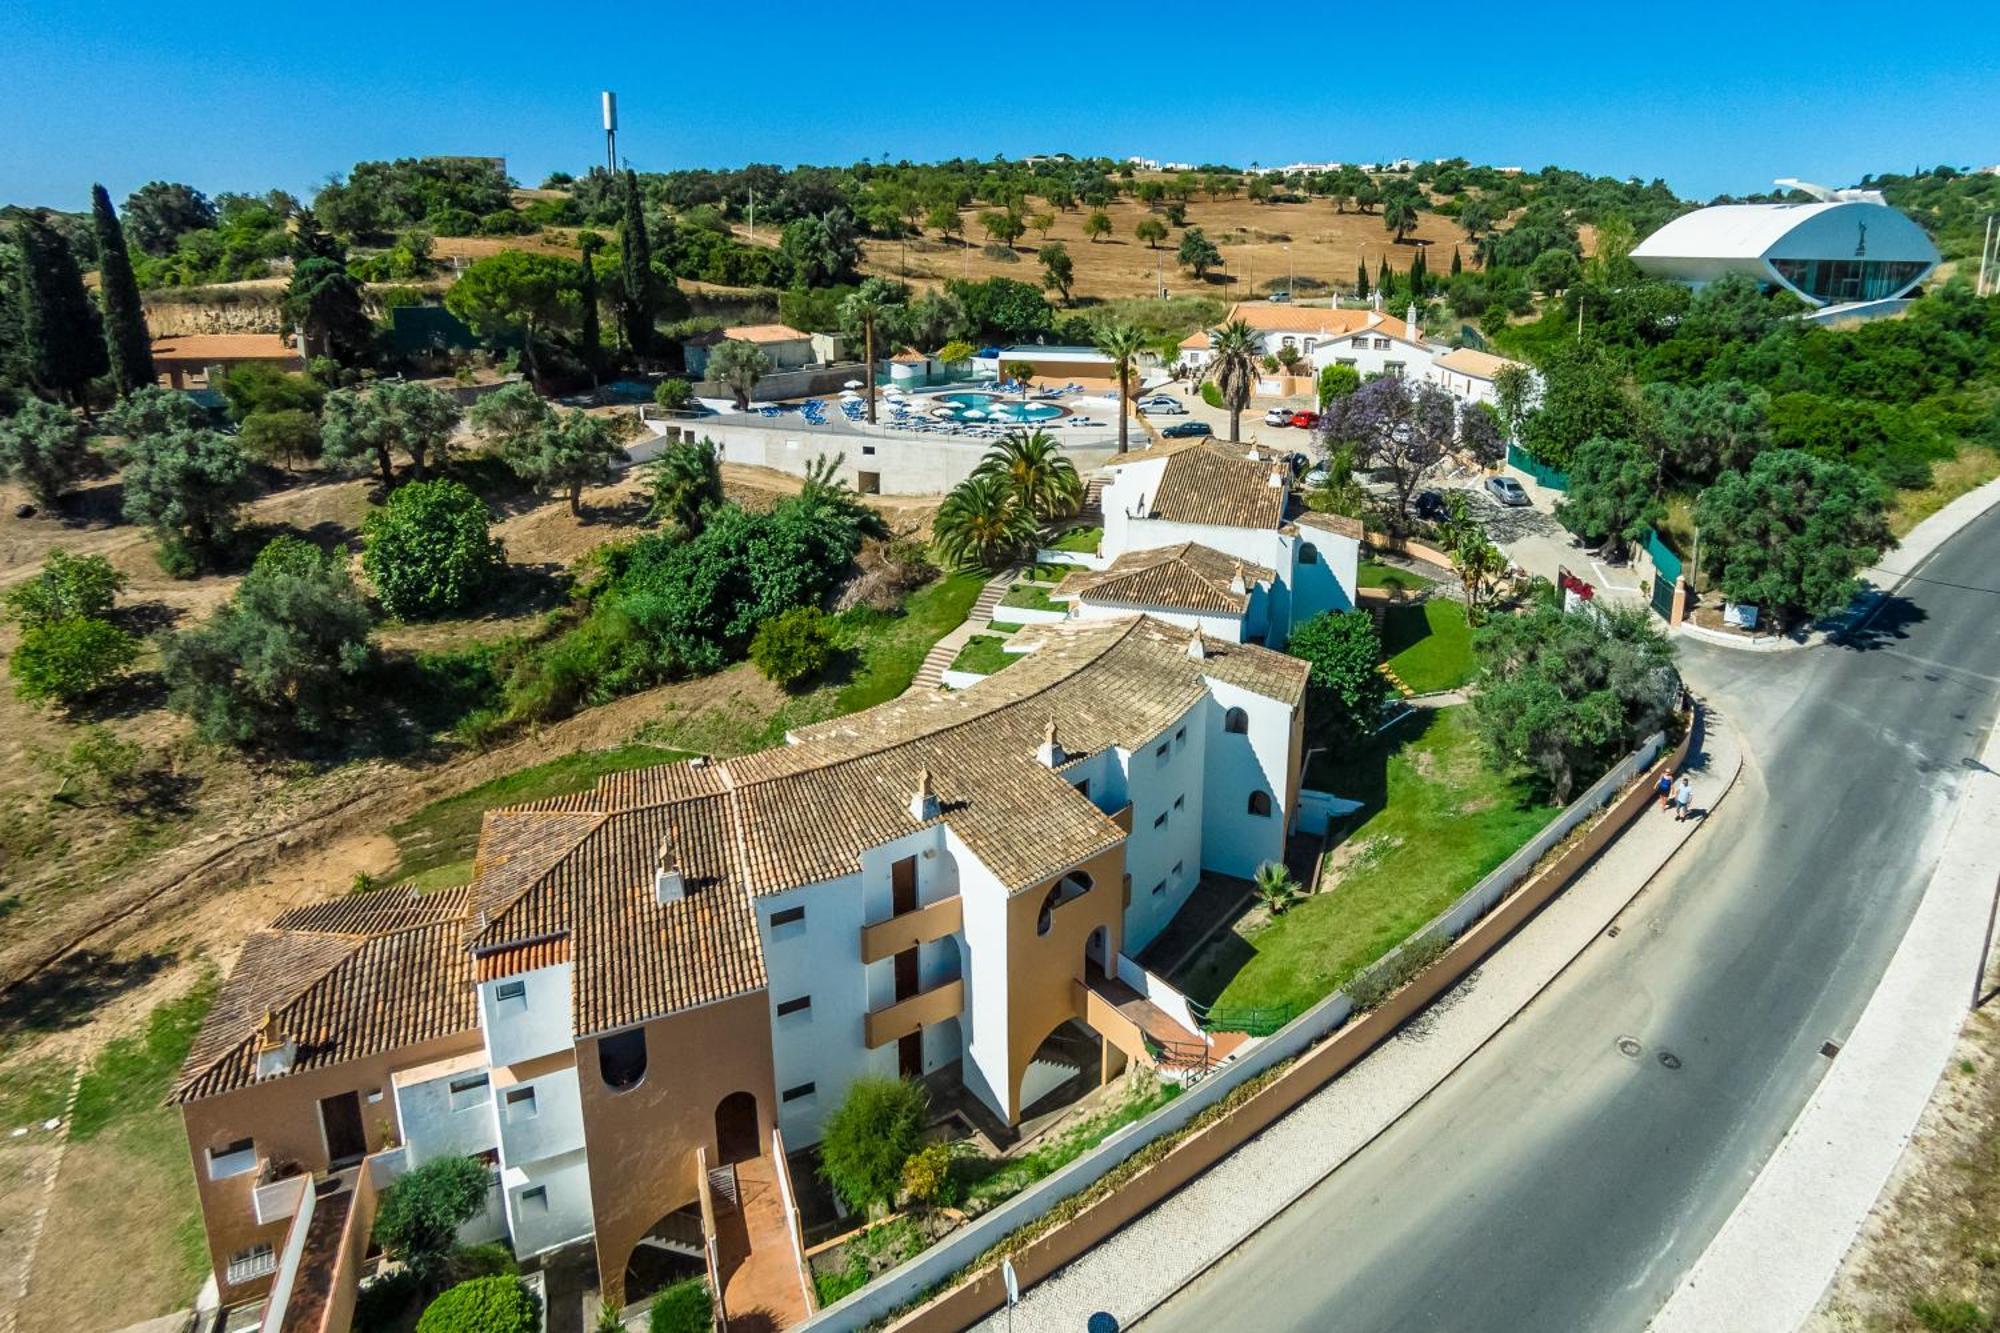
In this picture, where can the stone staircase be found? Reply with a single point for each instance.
(1395, 681)
(989, 598)
(1092, 509)
(930, 673)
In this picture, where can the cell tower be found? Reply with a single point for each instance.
(611, 132)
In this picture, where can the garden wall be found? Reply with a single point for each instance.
(1317, 1061)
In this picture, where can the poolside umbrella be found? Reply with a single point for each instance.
(852, 384)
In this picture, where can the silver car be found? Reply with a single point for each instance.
(1162, 407)
(1506, 491)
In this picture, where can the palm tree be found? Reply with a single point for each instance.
(864, 306)
(982, 523)
(739, 365)
(1120, 343)
(686, 481)
(1275, 886)
(1233, 353)
(1037, 471)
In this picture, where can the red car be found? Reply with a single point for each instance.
(1305, 420)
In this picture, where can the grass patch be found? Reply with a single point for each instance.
(1083, 541)
(984, 655)
(33, 1091)
(438, 842)
(1032, 597)
(988, 1182)
(1375, 574)
(1429, 645)
(133, 1074)
(1046, 573)
(876, 1250)
(1974, 466)
(877, 656)
(1434, 820)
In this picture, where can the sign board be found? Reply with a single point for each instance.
(1740, 614)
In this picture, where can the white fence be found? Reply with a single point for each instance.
(933, 1268)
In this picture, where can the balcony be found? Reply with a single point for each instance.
(906, 1016)
(886, 939)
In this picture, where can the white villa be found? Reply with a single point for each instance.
(1372, 342)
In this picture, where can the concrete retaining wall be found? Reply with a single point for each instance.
(1318, 1061)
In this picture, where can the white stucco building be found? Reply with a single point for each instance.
(1846, 251)
(1372, 342)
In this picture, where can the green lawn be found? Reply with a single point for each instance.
(1031, 597)
(1046, 573)
(437, 843)
(33, 1091)
(1434, 820)
(1083, 541)
(1375, 574)
(983, 654)
(1429, 644)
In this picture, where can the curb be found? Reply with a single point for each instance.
(1316, 1181)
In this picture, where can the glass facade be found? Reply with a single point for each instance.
(1838, 281)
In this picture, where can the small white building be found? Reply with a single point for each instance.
(1373, 342)
(787, 347)
(1468, 374)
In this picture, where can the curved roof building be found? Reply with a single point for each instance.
(1847, 247)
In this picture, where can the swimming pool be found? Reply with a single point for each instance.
(992, 407)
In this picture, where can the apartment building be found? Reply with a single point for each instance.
(682, 970)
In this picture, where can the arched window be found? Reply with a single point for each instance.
(1237, 721)
(1260, 804)
(1308, 553)
(1071, 886)
(621, 1059)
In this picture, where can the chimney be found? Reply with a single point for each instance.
(1195, 649)
(1277, 477)
(1252, 455)
(669, 884)
(276, 1052)
(1411, 319)
(1050, 751)
(924, 804)
(1237, 585)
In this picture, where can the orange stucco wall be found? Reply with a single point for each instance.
(1040, 968)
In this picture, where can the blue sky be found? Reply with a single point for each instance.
(1712, 97)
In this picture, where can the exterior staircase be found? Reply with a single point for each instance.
(930, 674)
(1395, 681)
(1092, 509)
(989, 598)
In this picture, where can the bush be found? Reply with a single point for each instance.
(67, 586)
(1210, 394)
(381, 1305)
(420, 1216)
(673, 394)
(878, 1126)
(794, 646)
(1379, 982)
(1344, 651)
(285, 437)
(927, 1175)
(428, 551)
(685, 1307)
(68, 659)
(187, 486)
(484, 1305)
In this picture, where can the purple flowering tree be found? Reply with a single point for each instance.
(1391, 426)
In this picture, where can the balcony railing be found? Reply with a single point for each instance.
(919, 1011)
(907, 930)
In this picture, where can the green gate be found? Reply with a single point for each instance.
(1534, 467)
(1667, 567)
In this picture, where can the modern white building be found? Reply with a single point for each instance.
(1846, 252)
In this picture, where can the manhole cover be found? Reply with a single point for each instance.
(1629, 1046)
(1670, 1060)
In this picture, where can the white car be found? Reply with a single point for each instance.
(1278, 416)
(1162, 407)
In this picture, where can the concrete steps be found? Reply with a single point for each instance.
(1092, 508)
(1395, 681)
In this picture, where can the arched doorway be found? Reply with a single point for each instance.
(1096, 950)
(736, 1137)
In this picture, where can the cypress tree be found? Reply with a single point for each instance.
(1457, 264)
(125, 336)
(1385, 281)
(1361, 279)
(635, 264)
(589, 337)
(62, 338)
(311, 241)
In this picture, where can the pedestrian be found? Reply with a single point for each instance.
(1683, 797)
(1666, 790)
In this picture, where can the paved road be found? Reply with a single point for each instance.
(1559, 1183)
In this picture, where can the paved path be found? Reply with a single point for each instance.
(1558, 1182)
(1150, 1260)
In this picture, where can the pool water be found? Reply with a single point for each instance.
(992, 407)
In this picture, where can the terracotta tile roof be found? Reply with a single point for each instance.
(1267, 317)
(511, 959)
(381, 979)
(764, 333)
(1339, 524)
(1188, 577)
(1470, 361)
(1223, 486)
(377, 913)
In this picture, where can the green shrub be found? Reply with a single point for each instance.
(68, 585)
(794, 646)
(673, 394)
(1949, 1316)
(420, 1215)
(878, 1126)
(428, 550)
(69, 659)
(685, 1307)
(927, 1174)
(473, 1261)
(1210, 394)
(380, 1306)
(484, 1305)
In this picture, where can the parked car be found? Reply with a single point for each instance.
(1163, 407)
(1187, 430)
(1279, 298)
(1430, 507)
(1305, 420)
(1278, 416)
(1506, 491)
(1315, 479)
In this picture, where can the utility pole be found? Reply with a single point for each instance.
(1288, 273)
(753, 213)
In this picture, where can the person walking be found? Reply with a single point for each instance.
(1683, 797)
(1666, 790)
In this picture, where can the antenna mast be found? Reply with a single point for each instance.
(611, 132)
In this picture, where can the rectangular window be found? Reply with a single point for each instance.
(1083, 788)
(867, 451)
(1180, 737)
(796, 1006)
(1381, 344)
(1180, 802)
(799, 1093)
(255, 1262)
(232, 1159)
(791, 916)
(1394, 368)
(1161, 753)
(511, 997)
(468, 1092)
(1159, 888)
(1161, 822)
(1179, 866)
(520, 1104)
(535, 1199)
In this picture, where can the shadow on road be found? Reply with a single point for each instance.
(1892, 621)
